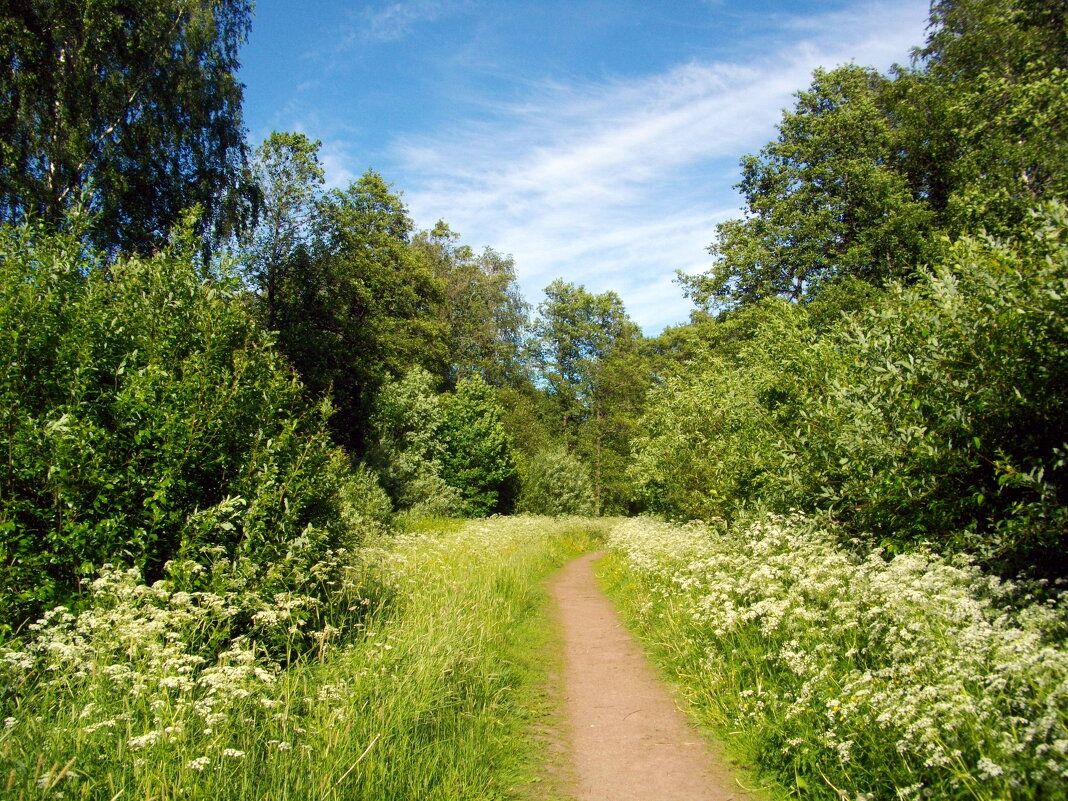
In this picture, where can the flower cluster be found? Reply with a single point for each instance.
(908, 676)
(148, 670)
(201, 684)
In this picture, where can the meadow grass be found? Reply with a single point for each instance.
(848, 674)
(432, 695)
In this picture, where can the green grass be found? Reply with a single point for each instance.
(435, 698)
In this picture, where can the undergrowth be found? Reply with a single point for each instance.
(429, 697)
(849, 674)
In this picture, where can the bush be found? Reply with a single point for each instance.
(556, 483)
(145, 417)
(364, 499)
(478, 458)
(949, 420)
(939, 415)
(711, 432)
(407, 450)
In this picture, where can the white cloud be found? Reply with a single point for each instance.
(615, 185)
(336, 160)
(393, 21)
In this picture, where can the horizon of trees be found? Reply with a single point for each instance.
(880, 339)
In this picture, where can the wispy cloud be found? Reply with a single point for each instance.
(335, 156)
(389, 22)
(617, 184)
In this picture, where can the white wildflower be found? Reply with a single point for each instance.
(144, 740)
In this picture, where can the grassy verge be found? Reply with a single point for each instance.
(431, 699)
(851, 675)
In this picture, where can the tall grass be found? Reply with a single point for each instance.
(428, 697)
(848, 674)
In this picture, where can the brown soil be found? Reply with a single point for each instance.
(629, 741)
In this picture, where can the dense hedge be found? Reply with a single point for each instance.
(143, 417)
(939, 414)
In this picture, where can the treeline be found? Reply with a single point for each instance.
(206, 349)
(208, 354)
(413, 334)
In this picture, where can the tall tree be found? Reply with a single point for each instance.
(289, 178)
(990, 108)
(826, 198)
(585, 347)
(482, 310)
(359, 306)
(131, 108)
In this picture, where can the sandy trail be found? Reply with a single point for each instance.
(629, 741)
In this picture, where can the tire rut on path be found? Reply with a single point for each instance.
(629, 741)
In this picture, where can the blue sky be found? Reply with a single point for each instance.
(594, 140)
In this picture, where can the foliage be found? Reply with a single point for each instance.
(849, 675)
(364, 499)
(289, 177)
(484, 316)
(407, 447)
(867, 169)
(144, 416)
(356, 309)
(936, 416)
(555, 483)
(825, 199)
(948, 421)
(428, 660)
(710, 437)
(131, 109)
(986, 114)
(574, 330)
(477, 458)
(588, 358)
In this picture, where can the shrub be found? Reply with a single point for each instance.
(364, 500)
(949, 423)
(711, 431)
(478, 458)
(145, 417)
(936, 416)
(407, 449)
(556, 483)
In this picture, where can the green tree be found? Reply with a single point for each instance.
(714, 425)
(132, 108)
(483, 313)
(586, 352)
(989, 106)
(407, 448)
(359, 307)
(289, 178)
(827, 198)
(478, 458)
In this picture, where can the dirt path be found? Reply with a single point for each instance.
(629, 741)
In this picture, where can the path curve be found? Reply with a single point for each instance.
(629, 740)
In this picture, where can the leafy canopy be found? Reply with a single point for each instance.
(130, 110)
